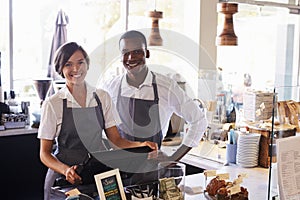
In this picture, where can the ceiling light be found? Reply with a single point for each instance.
(155, 38)
(227, 36)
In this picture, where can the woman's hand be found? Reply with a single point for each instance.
(72, 176)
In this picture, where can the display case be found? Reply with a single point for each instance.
(285, 112)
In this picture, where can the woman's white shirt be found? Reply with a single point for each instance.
(52, 110)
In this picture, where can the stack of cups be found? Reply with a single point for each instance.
(231, 147)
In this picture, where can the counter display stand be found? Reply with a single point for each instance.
(286, 106)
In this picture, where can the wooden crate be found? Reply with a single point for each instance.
(265, 141)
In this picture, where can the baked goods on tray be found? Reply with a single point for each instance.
(221, 190)
(214, 185)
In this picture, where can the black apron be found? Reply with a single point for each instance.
(140, 118)
(81, 133)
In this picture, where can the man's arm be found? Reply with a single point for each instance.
(189, 110)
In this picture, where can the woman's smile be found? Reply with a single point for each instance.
(76, 75)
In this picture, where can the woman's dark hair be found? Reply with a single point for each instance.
(134, 34)
(64, 53)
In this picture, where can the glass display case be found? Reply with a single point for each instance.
(285, 114)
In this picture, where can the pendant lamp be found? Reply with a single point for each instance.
(227, 36)
(155, 38)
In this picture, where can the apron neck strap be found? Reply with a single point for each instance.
(154, 86)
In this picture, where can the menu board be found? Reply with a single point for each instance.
(288, 165)
(111, 188)
(109, 185)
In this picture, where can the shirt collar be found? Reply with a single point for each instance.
(64, 93)
(147, 81)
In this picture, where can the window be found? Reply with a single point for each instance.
(92, 23)
(33, 30)
(179, 29)
(268, 48)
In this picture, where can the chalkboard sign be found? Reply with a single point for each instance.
(109, 185)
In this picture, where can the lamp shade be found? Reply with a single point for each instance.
(227, 36)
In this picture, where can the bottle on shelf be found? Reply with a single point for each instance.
(5, 98)
(13, 104)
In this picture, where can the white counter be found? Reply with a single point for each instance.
(206, 156)
(256, 183)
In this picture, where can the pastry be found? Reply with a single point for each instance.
(242, 195)
(219, 189)
(214, 185)
(222, 194)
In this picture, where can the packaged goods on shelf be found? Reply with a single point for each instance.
(257, 105)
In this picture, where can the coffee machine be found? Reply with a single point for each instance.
(42, 87)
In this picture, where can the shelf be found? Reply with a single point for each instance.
(294, 9)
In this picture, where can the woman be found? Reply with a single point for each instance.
(74, 118)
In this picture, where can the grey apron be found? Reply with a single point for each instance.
(81, 133)
(140, 118)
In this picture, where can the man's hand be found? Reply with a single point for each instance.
(152, 145)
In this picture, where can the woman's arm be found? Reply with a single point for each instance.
(53, 163)
(114, 137)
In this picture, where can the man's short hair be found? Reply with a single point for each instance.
(134, 34)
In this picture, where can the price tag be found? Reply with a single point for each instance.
(243, 175)
(224, 176)
(234, 189)
(73, 192)
(209, 173)
(239, 180)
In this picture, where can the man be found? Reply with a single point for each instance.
(146, 100)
